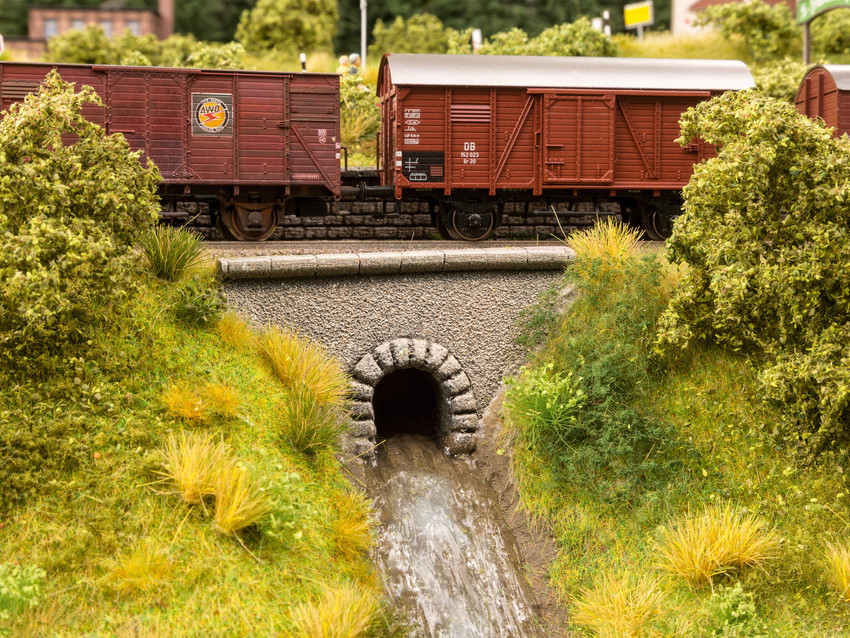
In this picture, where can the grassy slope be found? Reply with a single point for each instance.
(726, 449)
(81, 524)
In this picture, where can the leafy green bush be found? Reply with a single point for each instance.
(69, 217)
(768, 32)
(779, 79)
(289, 26)
(420, 33)
(574, 38)
(360, 117)
(831, 34)
(172, 252)
(765, 236)
(92, 46)
(20, 588)
(199, 302)
(731, 613)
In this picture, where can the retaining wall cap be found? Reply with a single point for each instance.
(390, 263)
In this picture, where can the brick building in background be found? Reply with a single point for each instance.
(112, 17)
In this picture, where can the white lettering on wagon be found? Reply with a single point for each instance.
(412, 118)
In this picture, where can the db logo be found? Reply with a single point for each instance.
(211, 114)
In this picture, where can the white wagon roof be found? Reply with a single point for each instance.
(839, 72)
(408, 69)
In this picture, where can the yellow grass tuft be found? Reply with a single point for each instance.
(344, 611)
(619, 606)
(192, 462)
(838, 566)
(351, 529)
(240, 502)
(223, 399)
(144, 569)
(717, 542)
(184, 402)
(234, 330)
(296, 360)
(610, 240)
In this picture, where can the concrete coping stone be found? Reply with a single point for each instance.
(391, 263)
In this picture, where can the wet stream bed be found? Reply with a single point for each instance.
(450, 558)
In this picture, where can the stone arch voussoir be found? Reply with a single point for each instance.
(459, 411)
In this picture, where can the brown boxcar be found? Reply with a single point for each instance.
(249, 141)
(470, 132)
(825, 93)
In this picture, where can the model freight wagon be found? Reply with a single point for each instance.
(825, 93)
(251, 143)
(472, 132)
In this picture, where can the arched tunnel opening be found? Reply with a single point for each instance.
(406, 402)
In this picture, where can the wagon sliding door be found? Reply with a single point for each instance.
(578, 139)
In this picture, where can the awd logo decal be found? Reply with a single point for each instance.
(212, 114)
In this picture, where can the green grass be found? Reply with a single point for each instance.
(85, 500)
(721, 445)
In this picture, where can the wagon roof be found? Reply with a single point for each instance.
(840, 73)
(564, 72)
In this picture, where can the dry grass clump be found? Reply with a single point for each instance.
(191, 462)
(610, 240)
(234, 330)
(184, 402)
(240, 501)
(223, 399)
(298, 361)
(310, 426)
(351, 530)
(146, 568)
(619, 605)
(173, 252)
(344, 611)
(717, 542)
(838, 569)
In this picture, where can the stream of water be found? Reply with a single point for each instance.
(448, 558)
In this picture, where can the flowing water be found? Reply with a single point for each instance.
(448, 558)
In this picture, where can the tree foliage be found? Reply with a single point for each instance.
(69, 216)
(290, 26)
(91, 46)
(766, 237)
(831, 33)
(421, 33)
(779, 79)
(575, 38)
(766, 32)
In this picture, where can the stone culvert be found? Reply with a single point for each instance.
(458, 409)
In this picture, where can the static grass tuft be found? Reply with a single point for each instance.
(619, 606)
(234, 330)
(718, 542)
(185, 402)
(351, 530)
(240, 501)
(223, 399)
(192, 462)
(296, 360)
(609, 239)
(173, 252)
(344, 611)
(146, 568)
(310, 426)
(838, 569)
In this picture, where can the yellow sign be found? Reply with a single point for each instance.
(638, 14)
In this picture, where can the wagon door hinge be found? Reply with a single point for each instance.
(283, 124)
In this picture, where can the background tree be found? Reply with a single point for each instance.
(289, 26)
(765, 32)
(421, 33)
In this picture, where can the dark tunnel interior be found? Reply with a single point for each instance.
(406, 402)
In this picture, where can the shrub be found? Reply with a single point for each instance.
(240, 502)
(420, 33)
(20, 589)
(779, 79)
(619, 606)
(831, 34)
(69, 218)
(147, 567)
(574, 38)
(290, 26)
(172, 252)
(768, 32)
(838, 569)
(360, 116)
(764, 234)
(309, 425)
(199, 301)
(191, 462)
(344, 611)
(731, 613)
(718, 542)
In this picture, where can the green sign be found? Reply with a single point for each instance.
(808, 9)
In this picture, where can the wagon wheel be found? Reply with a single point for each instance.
(464, 226)
(247, 223)
(657, 224)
